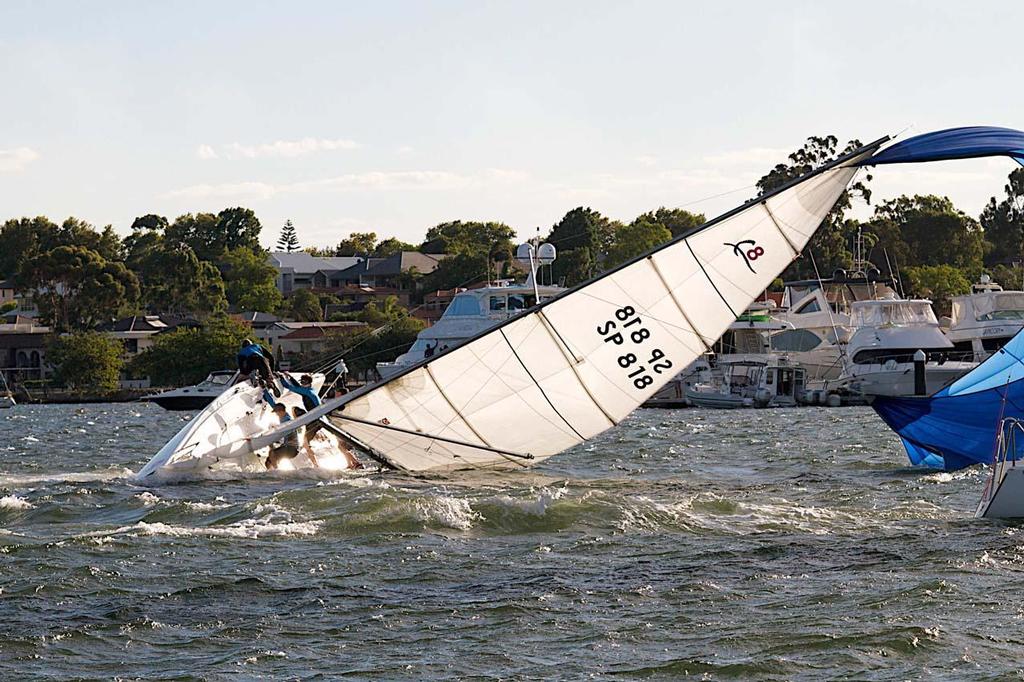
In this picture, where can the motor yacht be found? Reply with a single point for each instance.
(985, 319)
(888, 333)
(195, 397)
(755, 380)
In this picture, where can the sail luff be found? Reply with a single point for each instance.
(588, 362)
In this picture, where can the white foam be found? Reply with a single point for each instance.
(14, 502)
(535, 507)
(70, 477)
(147, 498)
(453, 512)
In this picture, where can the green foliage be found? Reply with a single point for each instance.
(675, 220)
(7, 307)
(87, 361)
(185, 356)
(391, 246)
(174, 280)
(582, 237)
(24, 238)
(304, 306)
(940, 283)
(209, 236)
(75, 287)
(631, 240)
(384, 344)
(831, 244)
(249, 280)
(288, 241)
(1004, 222)
(456, 271)
(356, 244)
(479, 240)
(933, 232)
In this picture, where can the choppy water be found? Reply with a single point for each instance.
(789, 544)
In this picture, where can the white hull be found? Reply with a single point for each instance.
(7, 401)
(1005, 500)
(718, 401)
(871, 380)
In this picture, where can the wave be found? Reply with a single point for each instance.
(273, 521)
(15, 502)
(68, 477)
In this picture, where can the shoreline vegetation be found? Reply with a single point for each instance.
(201, 267)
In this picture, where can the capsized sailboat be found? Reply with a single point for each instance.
(576, 365)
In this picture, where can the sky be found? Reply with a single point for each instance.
(395, 116)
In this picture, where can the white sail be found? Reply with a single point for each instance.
(579, 364)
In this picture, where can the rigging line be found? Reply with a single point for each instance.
(456, 410)
(831, 320)
(539, 387)
(570, 359)
(711, 281)
(417, 434)
(768, 210)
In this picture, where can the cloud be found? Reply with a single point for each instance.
(405, 149)
(372, 180)
(279, 149)
(15, 160)
(764, 158)
(205, 151)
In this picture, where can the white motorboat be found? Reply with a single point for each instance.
(195, 397)
(751, 381)
(888, 334)
(984, 320)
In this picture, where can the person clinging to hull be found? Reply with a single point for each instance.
(311, 400)
(288, 448)
(255, 358)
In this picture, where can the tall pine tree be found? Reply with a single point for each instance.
(288, 241)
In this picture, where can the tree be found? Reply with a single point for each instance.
(582, 237)
(482, 240)
(940, 283)
(675, 220)
(250, 281)
(175, 281)
(23, 238)
(87, 360)
(391, 246)
(185, 356)
(631, 240)
(209, 236)
(935, 232)
(288, 241)
(151, 222)
(356, 244)
(830, 244)
(76, 288)
(1003, 222)
(304, 306)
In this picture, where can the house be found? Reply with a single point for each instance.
(6, 292)
(296, 270)
(138, 331)
(23, 350)
(257, 320)
(292, 339)
(387, 272)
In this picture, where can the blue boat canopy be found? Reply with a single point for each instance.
(954, 143)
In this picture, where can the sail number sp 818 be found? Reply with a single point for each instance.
(627, 330)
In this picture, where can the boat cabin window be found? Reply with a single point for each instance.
(520, 301)
(795, 340)
(1001, 306)
(895, 314)
(220, 379)
(498, 304)
(463, 304)
(809, 307)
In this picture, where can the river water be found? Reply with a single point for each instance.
(773, 544)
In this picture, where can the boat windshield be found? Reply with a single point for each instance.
(464, 304)
(218, 379)
(894, 314)
(1008, 305)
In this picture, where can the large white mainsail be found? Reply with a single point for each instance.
(580, 363)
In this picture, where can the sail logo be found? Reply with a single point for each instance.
(748, 255)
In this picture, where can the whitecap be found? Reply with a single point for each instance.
(453, 512)
(15, 502)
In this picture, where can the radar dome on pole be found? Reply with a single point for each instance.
(546, 254)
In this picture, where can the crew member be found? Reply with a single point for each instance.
(254, 358)
(289, 447)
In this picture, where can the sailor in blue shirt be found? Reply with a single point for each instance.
(310, 400)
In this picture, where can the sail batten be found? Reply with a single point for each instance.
(578, 364)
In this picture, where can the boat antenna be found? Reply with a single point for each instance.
(828, 306)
